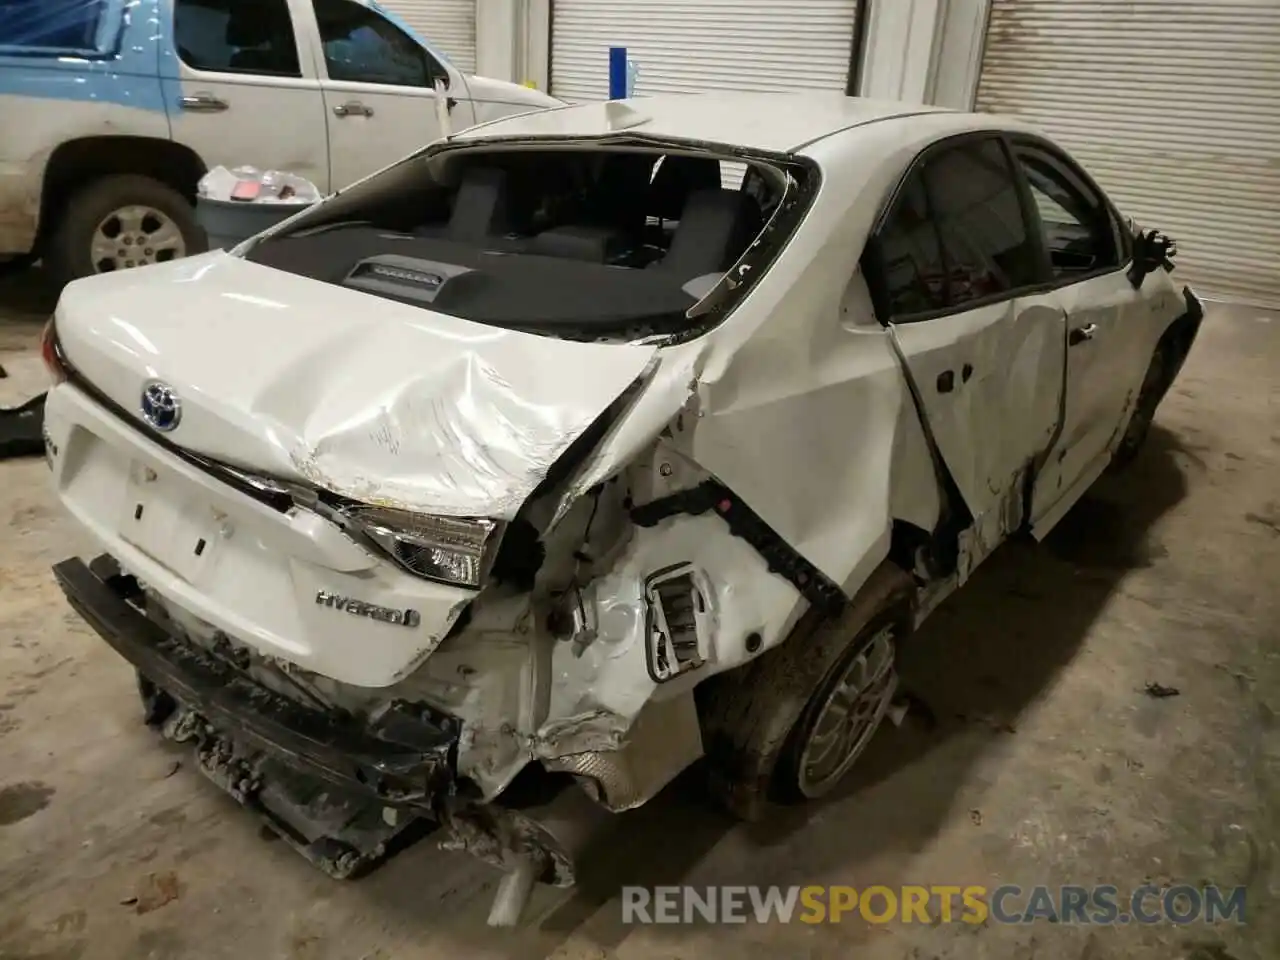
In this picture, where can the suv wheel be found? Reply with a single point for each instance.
(120, 222)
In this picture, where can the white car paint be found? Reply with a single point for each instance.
(801, 402)
(146, 90)
(395, 406)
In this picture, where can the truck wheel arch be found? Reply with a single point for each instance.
(75, 163)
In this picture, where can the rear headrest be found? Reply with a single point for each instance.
(480, 206)
(715, 228)
(676, 179)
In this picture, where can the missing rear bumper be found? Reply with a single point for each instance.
(331, 745)
(345, 794)
(335, 790)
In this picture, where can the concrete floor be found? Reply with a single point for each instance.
(1048, 763)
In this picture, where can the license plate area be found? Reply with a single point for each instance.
(166, 520)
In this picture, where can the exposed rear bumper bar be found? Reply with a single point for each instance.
(337, 829)
(333, 747)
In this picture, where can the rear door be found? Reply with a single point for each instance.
(1107, 350)
(241, 90)
(960, 272)
(379, 90)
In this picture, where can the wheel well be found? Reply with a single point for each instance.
(76, 163)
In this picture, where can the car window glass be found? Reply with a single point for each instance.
(1079, 230)
(236, 36)
(50, 24)
(910, 256)
(364, 47)
(973, 199)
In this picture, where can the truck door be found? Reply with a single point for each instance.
(379, 90)
(240, 88)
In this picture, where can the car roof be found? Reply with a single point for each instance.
(772, 122)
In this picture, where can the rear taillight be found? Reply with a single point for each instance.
(50, 353)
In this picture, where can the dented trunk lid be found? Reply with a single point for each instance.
(375, 400)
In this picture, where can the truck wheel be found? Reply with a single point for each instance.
(120, 222)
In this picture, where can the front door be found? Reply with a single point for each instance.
(241, 91)
(379, 90)
(982, 349)
(1104, 358)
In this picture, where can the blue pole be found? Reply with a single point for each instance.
(617, 73)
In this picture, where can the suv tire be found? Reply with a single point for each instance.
(148, 203)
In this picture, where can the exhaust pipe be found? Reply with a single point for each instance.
(531, 845)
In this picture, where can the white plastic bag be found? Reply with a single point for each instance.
(250, 185)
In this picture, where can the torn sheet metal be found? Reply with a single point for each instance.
(371, 399)
(610, 675)
(990, 385)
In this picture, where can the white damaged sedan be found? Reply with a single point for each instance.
(588, 443)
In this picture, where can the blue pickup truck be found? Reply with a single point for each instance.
(112, 110)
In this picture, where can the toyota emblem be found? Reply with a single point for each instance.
(160, 406)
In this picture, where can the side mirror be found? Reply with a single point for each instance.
(1152, 250)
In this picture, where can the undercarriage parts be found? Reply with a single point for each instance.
(664, 740)
(541, 843)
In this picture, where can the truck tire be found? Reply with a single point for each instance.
(119, 222)
(760, 720)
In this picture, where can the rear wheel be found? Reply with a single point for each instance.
(841, 717)
(787, 726)
(120, 222)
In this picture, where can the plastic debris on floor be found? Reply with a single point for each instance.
(23, 382)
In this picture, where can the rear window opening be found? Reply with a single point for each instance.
(577, 241)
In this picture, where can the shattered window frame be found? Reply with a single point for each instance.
(802, 179)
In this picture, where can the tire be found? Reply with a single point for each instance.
(757, 719)
(793, 778)
(1144, 412)
(142, 208)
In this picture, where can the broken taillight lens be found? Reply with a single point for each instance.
(451, 550)
(51, 355)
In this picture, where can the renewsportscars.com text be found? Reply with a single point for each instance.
(974, 904)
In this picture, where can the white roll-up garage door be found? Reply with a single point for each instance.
(447, 24)
(689, 46)
(1173, 106)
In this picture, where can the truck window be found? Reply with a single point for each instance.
(361, 46)
(49, 24)
(237, 36)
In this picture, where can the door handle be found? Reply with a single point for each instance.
(353, 108)
(1081, 334)
(203, 103)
